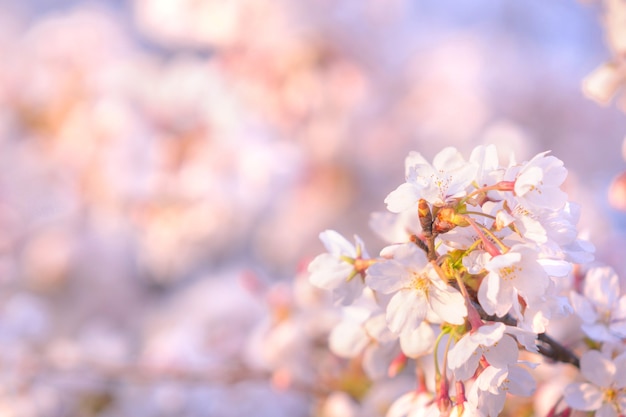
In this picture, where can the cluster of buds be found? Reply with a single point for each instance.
(480, 261)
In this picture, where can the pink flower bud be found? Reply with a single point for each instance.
(505, 186)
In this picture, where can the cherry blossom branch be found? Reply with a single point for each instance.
(548, 347)
(556, 351)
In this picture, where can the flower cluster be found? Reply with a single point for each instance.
(482, 257)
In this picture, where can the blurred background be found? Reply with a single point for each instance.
(167, 166)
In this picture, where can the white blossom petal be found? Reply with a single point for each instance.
(449, 305)
(521, 382)
(620, 371)
(406, 310)
(336, 244)
(502, 353)
(376, 328)
(418, 342)
(464, 369)
(602, 286)
(598, 331)
(377, 358)
(386, 276)
(597, 368)
(329, 272)
(583, 308)
(348, 339)
(403, 198)
(618, 328)
(583, 396)
(606, 410)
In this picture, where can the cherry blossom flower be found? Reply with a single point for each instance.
(363, 331)
(414, 404)
(537, 182)
(337, 270)
(395, 227)
(512, 274)
(488, 341)
(488, 393)
(489, 170)
(448, 177)
(605, 391)
(520, 272)
(418, 292)
(600, 307)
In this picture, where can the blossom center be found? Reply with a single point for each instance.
(523, 211)
(509, 273)
(420, 282)
(442, 182)
(610, 395)
(536, 188)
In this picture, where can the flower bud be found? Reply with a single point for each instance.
(426, 217)
(397, 365)
(443, 395)
(505, 186)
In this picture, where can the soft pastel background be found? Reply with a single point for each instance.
(167, 166)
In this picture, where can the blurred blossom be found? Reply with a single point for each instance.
(617, 192)
(441, 93)
(609, 78)
(510, 139)
(168, 164)
(210, 23)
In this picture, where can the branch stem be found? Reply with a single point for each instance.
(548, 347)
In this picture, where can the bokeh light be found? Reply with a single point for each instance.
(168, 165)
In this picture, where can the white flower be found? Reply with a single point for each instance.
(414, 404)
(338, 270)
(605, 393)
(489, 170)
(349, 337)
(365, 332)
(418, 292)
(538, 182)
(512, 274)
(418, 342)
(489, 391)
(395, 227)
(448, 177)
(489, 341)
(601, 308)
(537, 317)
